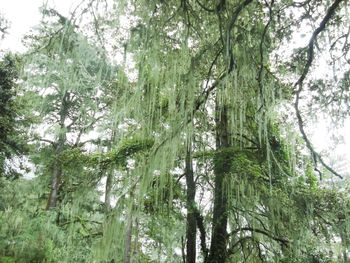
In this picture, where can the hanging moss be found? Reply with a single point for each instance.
(197, 75)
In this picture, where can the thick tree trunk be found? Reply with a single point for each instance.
(191, 218)
(217, 253)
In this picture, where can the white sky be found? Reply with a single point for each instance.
(24, 14)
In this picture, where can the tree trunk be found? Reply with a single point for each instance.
(56, 179)
(109, 180)
(136, 241)
(191, 218)
(128, 235)
(127, 251)
(217, 253)
(344, 243)
(108, 192)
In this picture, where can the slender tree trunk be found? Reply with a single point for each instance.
(128, 236)
(136, 242)
(55, 184)
(344, 242)
(56, 176)
(108, 192)
(217, 253)
(191, 218)
(109, 180)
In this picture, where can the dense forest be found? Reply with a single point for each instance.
(176, 131)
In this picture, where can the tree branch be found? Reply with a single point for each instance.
(205, 8)
(284, 242)
(47, 140)
(299, 86)
(261, 50)
(230, 250)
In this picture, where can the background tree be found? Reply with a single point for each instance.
(13, 120)
(68, 79)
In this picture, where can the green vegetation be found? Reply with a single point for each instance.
(180, 136)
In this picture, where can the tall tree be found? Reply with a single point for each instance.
(220, 63)
(69, 77)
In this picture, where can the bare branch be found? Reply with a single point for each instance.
(284, 242)
(299, 85)
(47, 140)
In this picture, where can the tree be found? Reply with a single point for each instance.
(12, 121)
(70, 76)
(218, 64)
(201, 156)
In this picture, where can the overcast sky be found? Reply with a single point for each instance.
(24, 14)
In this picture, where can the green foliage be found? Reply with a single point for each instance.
(119, 156)
(7, 260)
(73, 157)
(31, 234)
(201, 76)
(12, 141)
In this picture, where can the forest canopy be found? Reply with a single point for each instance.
(176, 131)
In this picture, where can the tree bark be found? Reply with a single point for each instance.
(108, 192)
(127, 251)
(344, 242)
(109, 180)
(191, 218)
(217, 253)
(56, 176)
(55, 185)
(136, 241)
(128, 235)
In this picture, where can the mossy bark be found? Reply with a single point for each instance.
(108, 190)
(222, 166)
(191, 218)
(56, 176)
